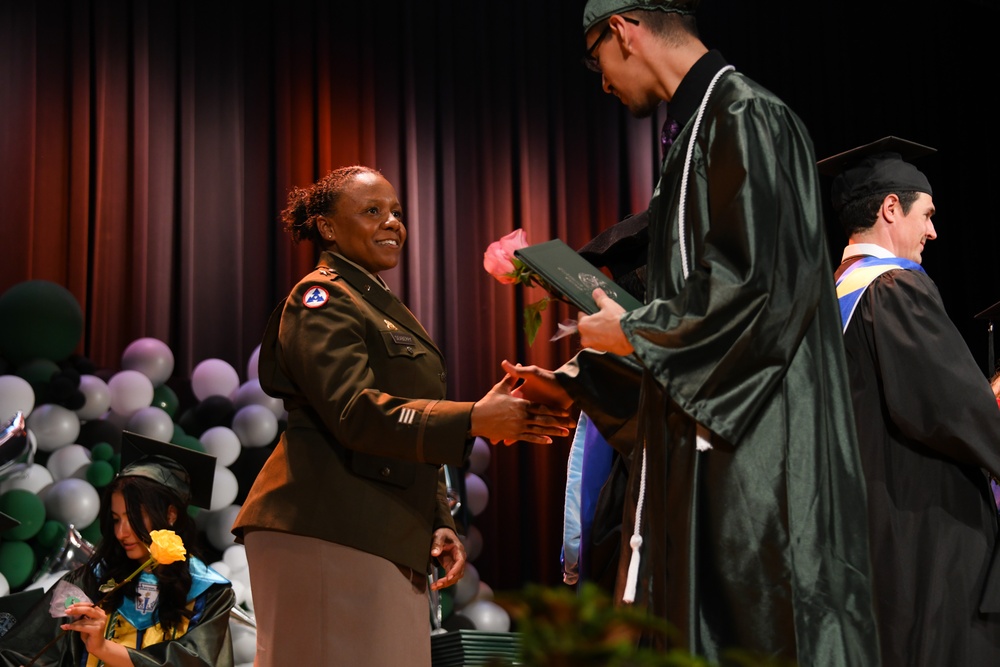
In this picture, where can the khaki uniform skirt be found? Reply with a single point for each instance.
(320, 603)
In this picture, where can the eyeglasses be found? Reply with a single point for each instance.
(589, 61)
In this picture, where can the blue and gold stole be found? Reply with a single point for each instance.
(856, 279)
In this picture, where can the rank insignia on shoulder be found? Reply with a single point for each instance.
(389, 325)
(315, 297)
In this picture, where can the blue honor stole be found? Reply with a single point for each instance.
(856, 279)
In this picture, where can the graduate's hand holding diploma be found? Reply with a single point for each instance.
(602, 331)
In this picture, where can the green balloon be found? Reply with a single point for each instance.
(27, 508)
(52, 534)
(100, 474)
(165, 399)
(17, 562)
(38, 372)
(102, 451)
(43, 320)
(190, 442)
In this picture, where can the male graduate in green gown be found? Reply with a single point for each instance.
(744, 524)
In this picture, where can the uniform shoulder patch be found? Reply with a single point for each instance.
(315, 297)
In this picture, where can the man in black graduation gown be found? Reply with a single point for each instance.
(928, 424)
(744, 521)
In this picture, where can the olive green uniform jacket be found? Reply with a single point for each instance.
(363, 383)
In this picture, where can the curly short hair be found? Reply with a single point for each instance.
(305, 205)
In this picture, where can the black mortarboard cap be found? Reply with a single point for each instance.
(991, 315)
(880, 167)
(15, 607)
(188, 472)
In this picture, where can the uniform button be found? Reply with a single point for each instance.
(368, 288)
(385, 472)
(442, 375)
(409, 351)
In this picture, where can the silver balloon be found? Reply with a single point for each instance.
(74, 552)
(238, 614)
(454, 495)
(17, 451)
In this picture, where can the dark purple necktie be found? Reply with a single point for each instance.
(667, 135)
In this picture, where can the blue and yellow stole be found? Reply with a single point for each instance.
(856, 279)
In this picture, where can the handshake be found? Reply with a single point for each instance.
(527, 404)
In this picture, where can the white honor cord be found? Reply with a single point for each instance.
(632, 579)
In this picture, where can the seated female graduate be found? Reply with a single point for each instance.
(174, 611)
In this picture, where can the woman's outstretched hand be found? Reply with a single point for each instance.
(501, 415)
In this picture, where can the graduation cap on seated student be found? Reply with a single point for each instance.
(188, 472)
(881, 167)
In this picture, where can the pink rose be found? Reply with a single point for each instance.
(498, 260)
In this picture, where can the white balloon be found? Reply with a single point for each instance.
(250, 393)
(152, 422)
(255, 426)
(16, 395)
(485, 591)
(72, 501)
(54, 426)
(119, 420)
(223, 444)
(223, 569)
(130, 390)
(486, 615)
(4, 586)
(214, 377)
(236, 558)
(239, 590)
(252, 363)
(244, 649)
(67, 461)
(473, 541)
(467, 587)
(97, 397)
(476, 493)
(34, 478)
(479, 459)
(248, 602)
(224, 489)
(151, 357)
(218, 527)
(48, 581)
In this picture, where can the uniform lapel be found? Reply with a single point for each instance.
(380, 298)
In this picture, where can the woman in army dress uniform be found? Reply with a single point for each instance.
(347, 513)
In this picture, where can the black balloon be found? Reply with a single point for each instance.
(100, 430)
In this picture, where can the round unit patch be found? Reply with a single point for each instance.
(315, 297)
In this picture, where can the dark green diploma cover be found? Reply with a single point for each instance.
(572, 276)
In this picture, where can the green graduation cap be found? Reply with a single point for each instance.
(875, 168)
(597, 10)
(188, 472)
